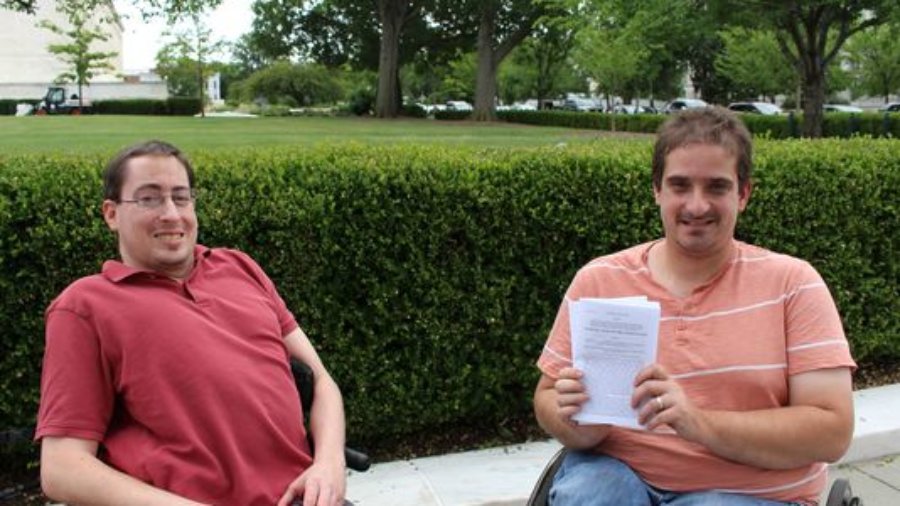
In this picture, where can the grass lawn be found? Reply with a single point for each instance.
(60, 134)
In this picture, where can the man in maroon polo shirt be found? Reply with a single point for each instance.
(166, 377)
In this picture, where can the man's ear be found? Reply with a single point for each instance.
(744, 196)
(110, 214)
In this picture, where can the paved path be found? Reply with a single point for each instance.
(505, 476)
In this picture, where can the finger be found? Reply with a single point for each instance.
(311, 493)
(647, 390)
(651, 372)
(287, 497)
(570, 373)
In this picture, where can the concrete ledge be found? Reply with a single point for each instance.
(505, 476)
(877, 430)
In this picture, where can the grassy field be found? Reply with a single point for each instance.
(60, 134)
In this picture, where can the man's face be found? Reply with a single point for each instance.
(699, 199)
(160, 239)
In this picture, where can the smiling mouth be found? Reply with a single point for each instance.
(169, 236)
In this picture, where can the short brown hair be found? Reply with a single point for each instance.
(114, 175)
(710, 125)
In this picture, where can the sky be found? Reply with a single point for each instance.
(141, 40)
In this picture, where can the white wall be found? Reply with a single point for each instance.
(24, 57)
(96, 91)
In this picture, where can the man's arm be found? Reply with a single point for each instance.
(816, 426)
(324, 483)
(71, 473)
(556, 400)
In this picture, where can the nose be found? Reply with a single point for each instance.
(169, 211)
(697, 203)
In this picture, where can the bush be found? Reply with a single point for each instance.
(453, 115)
(774, 127)
(8, 105)
(362, 101)
(174, 106)
(285, 83)
(413, 111)
(428, 277)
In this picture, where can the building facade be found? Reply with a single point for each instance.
(27, 66)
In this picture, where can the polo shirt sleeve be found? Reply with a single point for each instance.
(557, 352)
(815, 335)
(77, 392)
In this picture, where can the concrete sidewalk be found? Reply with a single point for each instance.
(505, 476)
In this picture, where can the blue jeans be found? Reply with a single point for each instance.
(588, 479)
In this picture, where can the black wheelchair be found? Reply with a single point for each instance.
(303, 378)
(840, 494)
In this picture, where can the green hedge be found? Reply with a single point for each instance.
(776, 127)
(427, 276)
(174, 106)
(8, 105)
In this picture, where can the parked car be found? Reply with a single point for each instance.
(633, 109)
(841, 108)
(458, 105)
(891, 107)
(763, 108)
(680, 104)
(582, 104)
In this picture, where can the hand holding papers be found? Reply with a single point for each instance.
(612, 340)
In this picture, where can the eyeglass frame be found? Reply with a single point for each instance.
(148, 202)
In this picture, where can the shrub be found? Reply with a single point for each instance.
(774, 127)
(285, 83)
(174, 106)
(8, 105)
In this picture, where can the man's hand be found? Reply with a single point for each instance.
(556, 401)
(320, 485)
(660, 401)
(815, 426)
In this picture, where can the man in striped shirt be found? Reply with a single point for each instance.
(751, 392)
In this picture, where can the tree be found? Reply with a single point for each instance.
(810, 34)
(502, 25)
(83, 30)
(191, 47)
(378, 35)
(612, 57)
(541, 67)
(753, 62)
(26, 6)
(874, 62)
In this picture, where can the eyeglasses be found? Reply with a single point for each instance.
(155, 200)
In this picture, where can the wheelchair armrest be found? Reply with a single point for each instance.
(304, 378)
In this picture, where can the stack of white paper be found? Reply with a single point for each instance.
(612, 340)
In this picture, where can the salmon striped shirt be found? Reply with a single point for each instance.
(731, 345)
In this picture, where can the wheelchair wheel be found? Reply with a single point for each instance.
(841, 494)
(541, 491)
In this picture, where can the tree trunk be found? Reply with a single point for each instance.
(486, 80)
(813, 100)
(387, 99)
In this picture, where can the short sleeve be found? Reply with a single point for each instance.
(77, 390)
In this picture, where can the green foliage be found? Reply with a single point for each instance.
(452, 114)
(874, 61)
(174, 106)
(85, 20)
(8, 105)
(428, 277)
(753, 62)
(773, 127)
(294, 85)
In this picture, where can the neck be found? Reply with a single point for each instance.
(682, 272)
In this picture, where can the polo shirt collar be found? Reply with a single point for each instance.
(116, 271)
